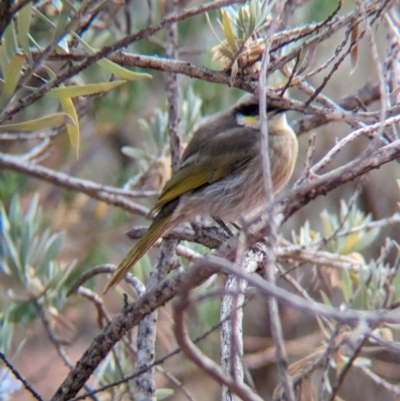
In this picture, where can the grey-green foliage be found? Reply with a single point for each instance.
(377, 285)
(109, 371)
(249, 18)
(155, 130)
(27, 256)
(8, 383)
(348, 218)
(371, 285)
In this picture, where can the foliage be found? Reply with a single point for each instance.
(66, 82)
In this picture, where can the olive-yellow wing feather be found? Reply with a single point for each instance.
(191, 177)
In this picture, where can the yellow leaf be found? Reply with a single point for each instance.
(12, 76)
(51, 121)
(114, 68)
(84, 90)
(122, 72)
(349, 244)
(226, 22)
(73, 129)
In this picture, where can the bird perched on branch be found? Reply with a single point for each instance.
(221, 173)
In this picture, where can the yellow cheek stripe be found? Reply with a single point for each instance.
(251, 119)
(247, 120)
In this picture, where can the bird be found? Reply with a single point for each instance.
(220, 173)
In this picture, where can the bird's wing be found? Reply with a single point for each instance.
(192, 177)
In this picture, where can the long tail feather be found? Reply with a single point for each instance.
(156, 229)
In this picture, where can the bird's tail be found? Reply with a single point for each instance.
(156, 229)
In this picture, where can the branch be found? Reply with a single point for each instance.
(19, 377)
(168, 289)
(107, 50)
(368, 94)
(193, 353)
(272, 221)
(349, 172)
(102, 193)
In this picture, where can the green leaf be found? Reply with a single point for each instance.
(135, 153)
(114, 68)
(322, 327)
(162, 393)
(22, 313)
(11, 257)
(347, 285)
(10, 40)
(23, 23)
(360, 298)
(3, 57)
(325, 298)
(6, 332)
(52, 121)
(61, 23)
(61, 277)
(101, 39)
(33, 214)
(84, 90)
(52, 247)
(25, 244)
(122, 72)
(12, 77)
(228, 30)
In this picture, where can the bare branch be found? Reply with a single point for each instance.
(100, 192)
(20, 378)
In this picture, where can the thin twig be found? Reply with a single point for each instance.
(196, 356)
(20, 378)
(106, 50)
(146, 336)
(272, 221)
(166, 290)
(76, 184)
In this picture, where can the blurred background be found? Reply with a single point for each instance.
(129, 118)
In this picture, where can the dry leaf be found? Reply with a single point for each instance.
(354, 51)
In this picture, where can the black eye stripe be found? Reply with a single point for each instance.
(248, 109)
(252, 109)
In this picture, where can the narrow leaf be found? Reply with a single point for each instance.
(347, 286)
(135, 153)
(101, 39)
(61, 24)
(3, 57)
(51, 121)
(350, 243)
(162, 393)
(12, 76)
(308, 58)
(122, 72)
(84, 90)
(10, 40)
(114, 68)
(212, 28)
(226, 22)
(23, 24)
(73, 129)
(253, 9)
(354, 51)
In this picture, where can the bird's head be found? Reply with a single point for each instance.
(247, 114)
